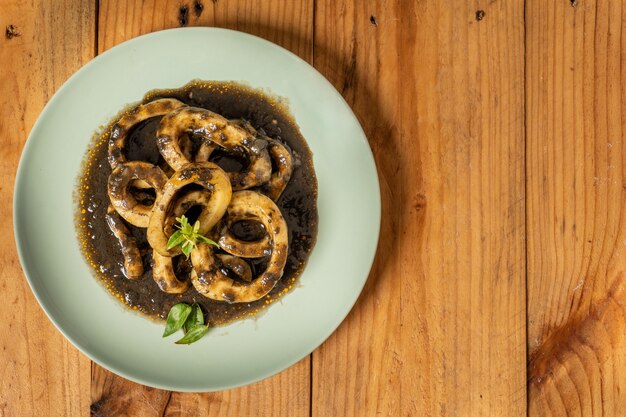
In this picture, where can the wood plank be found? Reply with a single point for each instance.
(286, 394)
(440, 327)
(40, 372)
(289, 25)
(115, 396)
(576, 182)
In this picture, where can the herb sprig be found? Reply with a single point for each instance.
(187, 236)
(189, 318)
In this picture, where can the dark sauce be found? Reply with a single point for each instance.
(248, 230)
(298, 203)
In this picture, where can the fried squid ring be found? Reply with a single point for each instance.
(133, 263)
(119, 132)
(164, 275)
(205, 151)
(279, 153)
(218, 130)
(238, 247)
(283, 160)
(211, 282)
(205, 174)
(123, 201)
(281, 156)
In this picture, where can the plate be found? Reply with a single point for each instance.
(127, 343)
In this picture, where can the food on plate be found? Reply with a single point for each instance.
(199, 202)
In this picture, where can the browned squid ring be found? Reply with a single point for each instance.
(133, 264)
(281, 157)
(238, 247)
(279, 179)
(218, 130)
(205, 151)
(119, 132)
(164, 275)
(211, 282)
(205, 174)
(123, 201)
(279, 153)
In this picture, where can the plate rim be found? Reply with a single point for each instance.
(21, 248)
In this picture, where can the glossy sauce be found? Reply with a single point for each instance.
(298, 203)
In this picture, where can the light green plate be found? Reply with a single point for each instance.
(129, 344)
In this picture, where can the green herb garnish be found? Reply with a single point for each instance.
(176, 318)
(190, 319)
(195, 333)
(187, 236)
(195, 318)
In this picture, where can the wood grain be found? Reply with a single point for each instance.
(476, 201)
(40, 372)
(289, 25)
(576, 181)
(286, 394)
(115, 396)
(440, 328)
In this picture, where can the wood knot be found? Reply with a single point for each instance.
(373, 20)
(183, 15)
(198, 7)
(96, 407)
(480, 15)
(11, 32)
(419, 202)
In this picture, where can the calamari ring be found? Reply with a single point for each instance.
(205, 151)
(279, 153)
(123, 201)
(184, 203)
(164, 275)
(213, 283)
(205, 174)
(119, 132)
(279, 179)
(237, 265)
(133, 263)
(238, 247)
(218, 130)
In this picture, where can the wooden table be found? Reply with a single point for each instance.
(498, 130)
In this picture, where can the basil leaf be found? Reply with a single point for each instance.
(183, 222)
(187, 228)
(196, 318)
(194, 334)
(196, 227)
(187, 248)
(176, 318)
(206, 240)
(176, 239)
